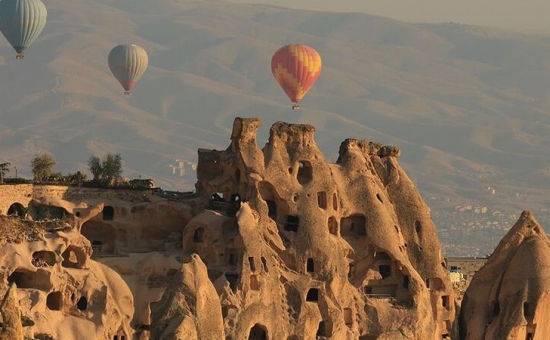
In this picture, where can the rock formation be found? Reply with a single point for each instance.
(275, 243)
(11, 327)
(61, 292)
(298, 248)
(509, 297)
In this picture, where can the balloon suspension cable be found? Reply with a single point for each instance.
(20, 56)
(295, 106)
(127, 93)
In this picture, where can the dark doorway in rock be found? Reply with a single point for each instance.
(16, 210)
(310, 265)
(82, 303)
(353, 226)
(322, 199)
(27, 279)
(321, 329)
(305, 172)
(292, 223)
(333, 225)
(108, 213)
(257, 332)
(102, 235)
(54, 301)
(312, 294)
(385, 270)
(198, 236)
(271, 209)
(233, 279)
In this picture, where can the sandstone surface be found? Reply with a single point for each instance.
(298, 248)
(61, 292)
(508, 298)
(276, 243)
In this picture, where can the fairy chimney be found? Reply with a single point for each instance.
(508, 298)
(299, 248)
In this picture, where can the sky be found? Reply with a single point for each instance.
(530, 15)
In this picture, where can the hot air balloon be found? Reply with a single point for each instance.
(296, 67)
(128, 63)
(21, 22)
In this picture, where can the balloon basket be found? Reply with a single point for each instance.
(127, 93)
(295, 107)
(20, 57)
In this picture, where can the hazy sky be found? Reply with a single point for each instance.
(530, 15)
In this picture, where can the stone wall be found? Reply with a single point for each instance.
(25, 193)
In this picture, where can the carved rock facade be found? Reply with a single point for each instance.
(298, 248)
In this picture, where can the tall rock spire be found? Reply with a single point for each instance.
(508, 298)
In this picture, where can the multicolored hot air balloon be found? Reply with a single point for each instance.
(296, 67)
(21, 22)
(128, 63)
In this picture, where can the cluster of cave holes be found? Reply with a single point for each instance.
(54, 301)
(119, 336)
(388, 289)
(322, 200)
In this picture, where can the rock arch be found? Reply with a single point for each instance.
(73, 257)
(17, 210)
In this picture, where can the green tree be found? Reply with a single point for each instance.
(42, 166)
(94, 164)
(110, 166)
(4, 168)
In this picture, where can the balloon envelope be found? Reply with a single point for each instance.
(128, 63)
(21, 22)
(296, 67)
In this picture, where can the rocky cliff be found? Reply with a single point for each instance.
(276, 243)
(298, 248)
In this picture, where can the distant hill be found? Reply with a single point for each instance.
(469, 106)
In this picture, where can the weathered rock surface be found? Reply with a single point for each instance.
(509, 297)
(191, 307)
(10, 315)
(276, 243)
(64, 293)
(298, 248)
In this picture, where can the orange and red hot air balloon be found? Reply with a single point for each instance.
(296, 67)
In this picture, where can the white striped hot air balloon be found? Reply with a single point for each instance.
(21, 22)
(128, 64)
